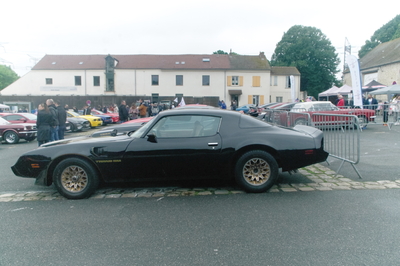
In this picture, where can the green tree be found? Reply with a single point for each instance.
(220, 52)
(223, 52)
(7, 76)
(312, 53)
(387, 32)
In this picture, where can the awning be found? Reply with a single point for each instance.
(235, 92)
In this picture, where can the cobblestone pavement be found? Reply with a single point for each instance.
(323, 179)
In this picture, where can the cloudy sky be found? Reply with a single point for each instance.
(31, 29)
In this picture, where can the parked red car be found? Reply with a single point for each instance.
(12, 133)
(19, 117)
(325, 107)
(114, 116)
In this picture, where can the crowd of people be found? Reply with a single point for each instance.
(52, 117)
(51, 121)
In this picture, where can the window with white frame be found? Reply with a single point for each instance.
(279, 99)
(287, 85)
(235, 80)
(78, 80)
(206, 80)
(154, 80)
(179, 80)
(256, 99)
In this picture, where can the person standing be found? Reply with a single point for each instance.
(371, 103)
(55, 123)
(123, 112)
(62, 119)
(395, 109)
(86, 110)
(223, 105)
(233, 106)
(154, 109)
(340, 101)
(142, 109)
(115, 110)
(44, 119)
(133, 112)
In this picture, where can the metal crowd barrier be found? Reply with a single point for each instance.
(386, 114)
(341, 132)
(341, 137)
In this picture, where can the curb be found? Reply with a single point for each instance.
(323, 179)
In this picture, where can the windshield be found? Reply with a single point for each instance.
(138, 133)
(30, 116)
(74, 113)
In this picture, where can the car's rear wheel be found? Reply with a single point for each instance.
(75, 178)
(11, 137)
(256, 171)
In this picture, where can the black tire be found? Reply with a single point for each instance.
(75, 178)
(11, 137)
(256, 171)
(72, 127)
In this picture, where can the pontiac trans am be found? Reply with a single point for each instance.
(176, 144)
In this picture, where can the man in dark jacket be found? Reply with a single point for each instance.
(55, 123)
(62, 119)
(123, 112)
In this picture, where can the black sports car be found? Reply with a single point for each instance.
(179, 143)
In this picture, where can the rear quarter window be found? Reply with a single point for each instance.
(250, 122)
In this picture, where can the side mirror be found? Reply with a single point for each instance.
(152, 137)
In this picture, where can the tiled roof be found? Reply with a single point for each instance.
(213, 61)
(383, 54)
(285, 71)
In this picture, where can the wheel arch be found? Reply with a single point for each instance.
(253, 147)
(8, 131)
(56, 161)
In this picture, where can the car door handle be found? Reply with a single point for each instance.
(213, 144)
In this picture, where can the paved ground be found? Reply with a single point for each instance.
(320, 178)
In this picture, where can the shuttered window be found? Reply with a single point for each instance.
(261, 100)
(256, 81)
(234, 80)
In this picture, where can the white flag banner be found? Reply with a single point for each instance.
(176, 100)
(354, 67)
(182, 103)
(292, 89)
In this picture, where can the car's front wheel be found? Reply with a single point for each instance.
(75, 178)
(256, 171)
(11, 137)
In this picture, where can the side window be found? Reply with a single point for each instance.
(186, 126)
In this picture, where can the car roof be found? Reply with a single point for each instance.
(200, 111)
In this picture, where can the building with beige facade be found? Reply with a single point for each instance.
(106, 79)
(382, 64)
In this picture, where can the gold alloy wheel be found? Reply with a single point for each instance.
(74, 179)
(256, 171)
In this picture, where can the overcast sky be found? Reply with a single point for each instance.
(30, 29)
